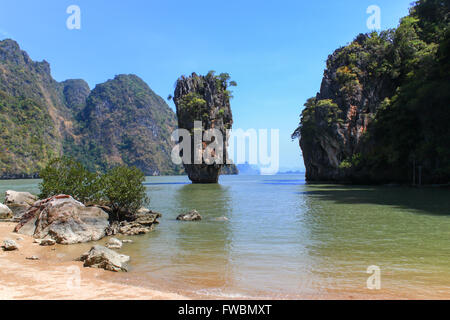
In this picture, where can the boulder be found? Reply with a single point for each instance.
(144, 211)
(5, 212)
(10, 245)
(114, 243)
(19, 202)
(190, 216)
(104, 258)
(143, 223)
(47, 242)
(64, 220)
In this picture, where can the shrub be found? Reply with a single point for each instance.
(120, 188)
(67, 176)
(123, 191)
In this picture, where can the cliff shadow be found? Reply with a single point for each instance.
(432, 201)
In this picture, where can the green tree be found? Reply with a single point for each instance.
(124, 192)
(67, 176)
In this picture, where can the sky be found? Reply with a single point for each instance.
(275, 50)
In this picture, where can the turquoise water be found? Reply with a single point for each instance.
(275, 236)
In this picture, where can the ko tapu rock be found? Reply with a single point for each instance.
(205, 100)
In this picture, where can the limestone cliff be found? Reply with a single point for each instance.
(382, 114)
(335, 121)
(121, 121)
(205, 99)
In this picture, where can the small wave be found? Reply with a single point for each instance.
(219, 293)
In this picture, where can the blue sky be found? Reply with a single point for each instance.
(274, 50)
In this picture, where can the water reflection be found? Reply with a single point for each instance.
(202, 248)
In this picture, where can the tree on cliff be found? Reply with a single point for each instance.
(205, 99)
(383, 104)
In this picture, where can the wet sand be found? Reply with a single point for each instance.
(48, 278)
(56, 277)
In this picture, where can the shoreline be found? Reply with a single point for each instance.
(49, 279)
(54, 277)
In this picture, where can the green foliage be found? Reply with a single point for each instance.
(124, 191)
(67, 176)
(192, 101)
(407, 69)
(121, 188)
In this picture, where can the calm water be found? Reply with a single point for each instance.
(283, 238)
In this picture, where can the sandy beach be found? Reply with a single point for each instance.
(55, 276)
(48, 278)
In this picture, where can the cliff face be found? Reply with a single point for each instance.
(205, 99)
(382, 110)
(336, 120)
(33, 115)
(130, 124)
(120, 122)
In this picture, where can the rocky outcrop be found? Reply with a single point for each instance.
(142, 223)
(104, 258)
(64, 220)
(19, 202)
(207, 100)
(5, 212)
(334, 123)
(190, 216)
(382, 114)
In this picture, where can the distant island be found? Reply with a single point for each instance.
(382, 113)
(119, 122)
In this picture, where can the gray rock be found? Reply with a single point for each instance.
(5, 212)
(114, 243)
(190, 216)
(218, 116)
(19, 202)
(47, 242)
(104, 258)
(64, 220)
(144, 211)
(10, 245)
(143, 223)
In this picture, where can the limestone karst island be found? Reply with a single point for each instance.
(239, 152)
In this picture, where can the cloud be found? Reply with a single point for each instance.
(4, 33)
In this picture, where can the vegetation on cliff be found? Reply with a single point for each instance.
(121, 122)
(382, 111)
(206, 99)
(125, 123)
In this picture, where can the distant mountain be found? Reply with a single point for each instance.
(125, 122)
(247, 169)
(121, 121)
